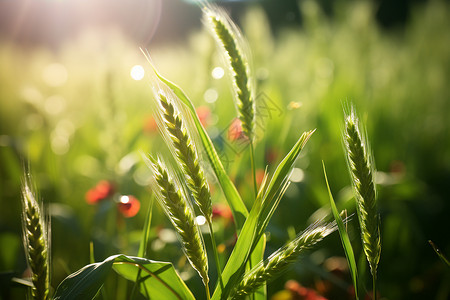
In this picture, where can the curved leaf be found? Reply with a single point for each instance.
(348, 249)
(159, 279)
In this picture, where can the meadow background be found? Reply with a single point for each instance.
(71, 112)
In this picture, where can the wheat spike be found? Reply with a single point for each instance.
(187, 157)
(225, 33)
(361, 167)
(36, 244)
(280, 260)
(180, 214)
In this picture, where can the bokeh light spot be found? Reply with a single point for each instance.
(137, 72)
(218, 72)
(210, 95)
(297, 175)
(200, 220)
(124, 199)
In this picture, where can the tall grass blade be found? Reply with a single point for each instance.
(235, 266)
(439, 253)
(348, 249)
(263, 208)
(279, 182)
(142, 252)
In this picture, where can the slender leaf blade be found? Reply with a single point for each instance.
(256, 223)
(235, 266)
(145, 233)
(348, 249)
(257, 256)
(276, 186)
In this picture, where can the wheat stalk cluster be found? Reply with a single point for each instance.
(362, 170)
(36, 243)
(187, 156)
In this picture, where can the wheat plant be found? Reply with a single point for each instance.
(36, 242)
(227, 35)
(362, 169)
(187, 156)
(174, 185)
(174, 202)
(280, 260)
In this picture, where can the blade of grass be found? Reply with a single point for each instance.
(263, 208)
(145, 233)
(143, 245)
(344, 237)
(235, 266)
(439, 253)
(256, 257)
(279, 181)
(237, 206)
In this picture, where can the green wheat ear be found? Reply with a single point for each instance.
(186, 155)
(226, 35)
(280, 260)
(172, 199)
(361, 166)
(36, 242)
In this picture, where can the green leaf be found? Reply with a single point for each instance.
(439, 253)
(160, 280)
(263, 208)
(277, 184)
(235, 266)
(146, 231)
(237, 206)
(257, 256)
(86, 282)
(344, 238)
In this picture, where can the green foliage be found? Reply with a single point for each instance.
(160, 279)
(91, 128)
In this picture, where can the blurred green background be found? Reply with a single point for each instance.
(71, 112)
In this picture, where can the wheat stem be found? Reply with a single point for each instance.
(280, 260)
(35, 235)
(180, 214)
(226, 34)
(361, 168)
(252, 161)
(216, 255)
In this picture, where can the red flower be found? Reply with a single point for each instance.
(150, 125)
(101, 191)
(235, 131)
(204, 114)
(271, 155)
(300, 292)
(221, 211)
(129, 206)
